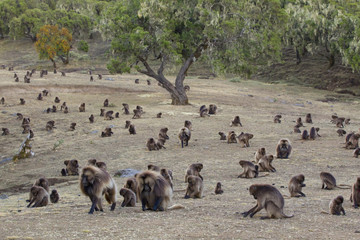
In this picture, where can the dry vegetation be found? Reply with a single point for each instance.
(214, 216)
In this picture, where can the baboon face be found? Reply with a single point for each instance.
(339, 200)
(74, 163)
(122, 191)
(270, 157)
(87, 178)
(262, 151)
(252, 190)
(284, 144)
(199, 167)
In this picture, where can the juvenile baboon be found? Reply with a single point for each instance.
(277, 118)
(250, 170)
(194, 169)
(212, 109)
(53, 108)
(39, 97)
(99, 76)
(129, 197)
(305, 135)
(195, 187)
(19, 116)
(283, 148)
(148, 82)
(57, 100)
(163, 133)
(5, 131)
(102, 112)
(244, 139)
(336, 207)
(91, 118)
(314, 133)
(94, 183)
(22, 101)
(66, 109)
(340, 122)
(265, 164)
(50, 125)
(127, 124)
(267, 197)
(222, 136)
(153, 168)
(308, 118)
(299, 122)
(132, 129)
(231, 137)
(236, 122)
(63, 106)
(187, 88)
(82, 107)
(188, 125)
(356, 152)
(72, 126)
(158, 115)
(151, 144)
(91, 78)
(106, 103)
(107, 132)
(26, 79)
(259, 154)
(295, 186)
(329, 181)
(108, 115)
(131, 184)
(184, 136)
(48, 110)
(165, 173)
(72, 168)
(92, 162)
(2, 101)
(341, 132)
(126, 108)
(218, 189)
(54, 196)
(355, 193)
(117, 115)
(137, 81)
(39, 196)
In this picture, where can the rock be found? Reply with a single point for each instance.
(126, 172)
(3, 196)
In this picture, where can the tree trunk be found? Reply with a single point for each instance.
(331, 60)
(298, 58)
(64, 60)
(54, 63)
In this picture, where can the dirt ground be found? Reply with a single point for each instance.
(213, 216)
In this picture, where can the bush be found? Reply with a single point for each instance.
(83, 46)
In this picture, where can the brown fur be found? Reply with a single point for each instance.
(107, 133)
(38, 196)
(222, 136)
(129, 197)
(163, 133)
(19, 116)
(265, 164)
(66, 109)
(355, 193)
(72, 168)
(91, 118)
(188, 125)
(250, 170)
(82, 107)
(341, 132)
(50, 125)
(106, 103)
(151, 144)
(295, 186)
(259, 154)
(101, 165)
(244, 139)
(5, 131)
(102, 112)
(353, 141)
(236, 122)
(148, 82)
(314, 133)
(184, 136)
(94, 183)
(126, 108)
(132, 184)
(212, 109)
(99, 76)
(329, 182)
(2, 101)
(283, 148)
(187, 88)
(137, 114)
(299, 122)
(277, 119)
(154, 168)
(160, 143)
(63, 106)
(39, 97)
(127, 124)
(57, 100)
(132, 129)
(159, 115)
(54, 196)
(356, 152)
(109, 115)
(92, 162)
(336, 207)
(305, 135)
(194, 169)
(22, 101)
(308, 118)
(72, 126)
(137, 81)
(165, 173)
(195, 187)
(218, 189)
(267, 197)
(117, 115)
(231, 137)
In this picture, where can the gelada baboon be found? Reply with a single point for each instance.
(188, 125)
(42, 182)
(5, 131)
(352, 141)
(195, 187)
(106, 103)
(355, 193)
(160, 143)
(38, 196)
(2, 101)
(66, 109)
(265, 164)
(277, 118)
(129, 197)
(39, 97)
(244, 139)
(50, 125)
(94, 183)
(329, 182)
(127, 124)
(167, 175)
(218, 189)
(54, 196)
(82, 107)
(57, 100)
(184, 136)
(231, 137)
(19, 116)
(356, 152)
(336, 207)
(153, 168)
(341, 132)
(283, 148)
(194, 169)
(308, 118)
(151, 144)
(295, 186)
(102, 112)
(91, 118)
(267, 197)
(222, 136)
(259, 154)
(107, 133)
(63, 106)
(131, 184)
(299, 122)
(159, 115)
(22, 101)
(109, 115)
(126, 108)
(212, 109)
(72, 126)
(305, 135)
(117, 115)
(314, 133)
(163, 133)
(137, 113)
(72, 168)
(132, 129)
(250, 170)
(236, 122)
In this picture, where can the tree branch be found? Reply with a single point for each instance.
(163, 63)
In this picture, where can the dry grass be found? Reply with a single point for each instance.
(214, 216)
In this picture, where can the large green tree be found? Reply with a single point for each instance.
(232, 36)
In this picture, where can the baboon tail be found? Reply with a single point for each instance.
(176, 206)
(182, 143)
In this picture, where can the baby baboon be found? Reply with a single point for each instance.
(39, 196)
(336, 207)
(129, 197)
(265, 164)
(195, 187)
(99, 76)
(187, 88)
(91, 78)
(54, 196)
(102, 112)
(132, 129)
(165, 173)
(106, 103)
(148, 82)
(92, 162)
(308, 118)
(72, 168)
(296, 184)
(63, 106)
(222, 136)
(117, 115)
(194, 169)
(259, 154)
(356, 152)
(188, 125)
(107, 132)
(231, 137)
(126, 108)
(184, 136)
(277, 118)
(137, 81)
(212, 109)
(66, 109)
(137, 113)
(218, 189)
(283, 148)
(57, 100)
(159, 115)
(39, 97)
(22, 101)
(151, 144)
(236, 122)
(329, 181)
(314, 133)
(50, 125)
(353, 141)
(19, 116)
(2, 101)
(152, 167)
(94, 183)
(267, 197)
(72, 126)
(355, 193)
(341, 132)
(5, 131)
(163, 133)
(91, 118)
(127, 124)
(299, 122)
(244, 139)
(82, 107)
(108, 115)
(250, 170)
(305, 135)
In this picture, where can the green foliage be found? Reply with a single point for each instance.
(58, 144)
(83, 46)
